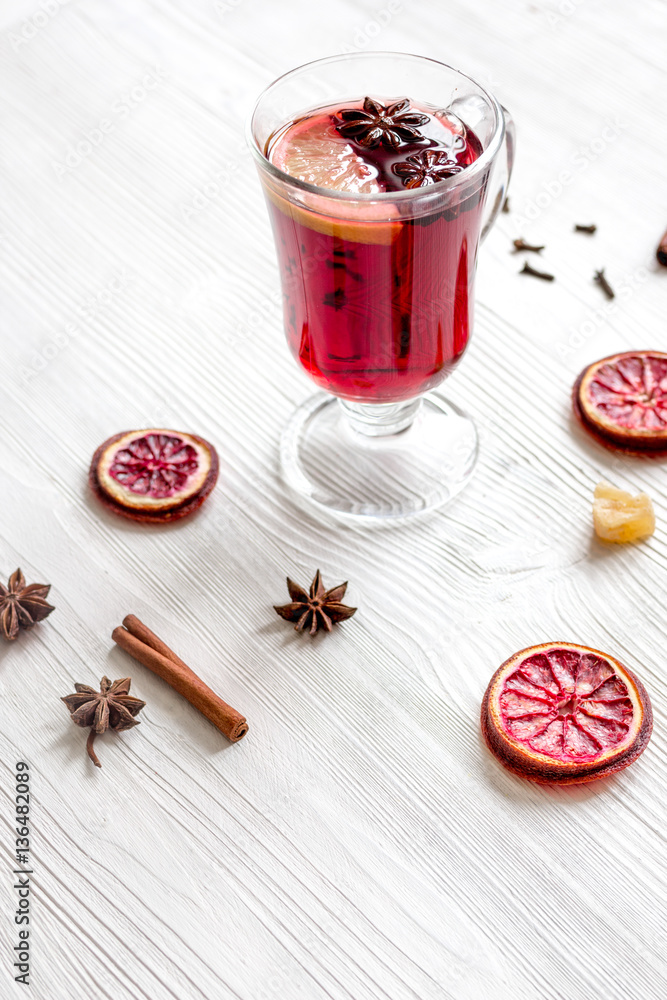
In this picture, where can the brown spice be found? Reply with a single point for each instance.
(22, 606)
(112, 707)
(316, 608)
(600, 279)
(138, 640)
(522, 245)
(375, 124)
(426, 168)
(527, 269)
(661, 252)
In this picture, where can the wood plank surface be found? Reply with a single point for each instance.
(360, 843)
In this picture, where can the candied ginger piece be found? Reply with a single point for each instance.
(621, 517)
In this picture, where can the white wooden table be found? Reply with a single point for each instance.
(360, 843)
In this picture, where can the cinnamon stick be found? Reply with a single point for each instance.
(138, 640)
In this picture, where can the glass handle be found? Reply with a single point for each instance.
(509, 140)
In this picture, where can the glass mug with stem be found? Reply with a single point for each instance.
(378, 284)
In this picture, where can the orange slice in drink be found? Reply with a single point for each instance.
(622, 401)
(313, 151)
(563, 713)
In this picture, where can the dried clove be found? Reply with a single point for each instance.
(585, 229)
(527, 269)
(522, 245)
(599, 278)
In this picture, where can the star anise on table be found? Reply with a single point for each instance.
(426, 167)
(317, 608)
(109, 708)
(376, 124)
(21, 606)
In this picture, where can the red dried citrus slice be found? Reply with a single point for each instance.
(622, 400)
(154, 474)
(565, 713)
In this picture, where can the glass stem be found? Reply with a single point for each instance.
(380, 419)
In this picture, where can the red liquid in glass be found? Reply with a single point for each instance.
(380, 311)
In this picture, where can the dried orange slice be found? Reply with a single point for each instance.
(563, 713)
(622, 400)
(154, 474)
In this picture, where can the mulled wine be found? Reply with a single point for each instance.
(378, 303)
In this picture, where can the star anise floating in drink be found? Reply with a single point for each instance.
(376, 125)
(426, 167)
(22, 606)
(109, 708)
(317, 608)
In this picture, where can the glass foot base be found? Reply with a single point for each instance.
(344, 466)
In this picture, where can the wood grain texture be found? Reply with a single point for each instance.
(360, 843)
